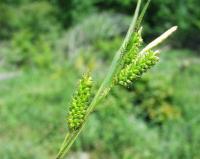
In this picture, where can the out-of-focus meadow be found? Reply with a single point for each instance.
(46, 45)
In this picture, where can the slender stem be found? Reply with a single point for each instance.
(66, 145)
(61, 151)
(104, 88)
(140, 18)
(66, 139)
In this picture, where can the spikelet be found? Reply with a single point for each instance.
(132, 48)
(133, 71)
(79, 104)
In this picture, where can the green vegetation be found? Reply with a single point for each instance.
(33, 118)
(45, 46)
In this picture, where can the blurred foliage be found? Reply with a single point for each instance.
(182, 13)
(164, 14)
(26, 51)
(36, 17)
(117, 128)
(157, 118)
(68, 12)
(40, 15)
(104, 47)
(103, 26)
(31, 29)
(155, 99)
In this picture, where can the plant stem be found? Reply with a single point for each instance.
(61, 151)
(104, 88)
(65, 145)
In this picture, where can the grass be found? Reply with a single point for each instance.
(26, 102)
(31, 115)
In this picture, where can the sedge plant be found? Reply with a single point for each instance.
(130, 62)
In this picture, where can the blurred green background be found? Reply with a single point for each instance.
(46, 45)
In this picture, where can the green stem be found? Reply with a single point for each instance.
(107, 83)
(66, 145)
(104, 88)
(62, 150)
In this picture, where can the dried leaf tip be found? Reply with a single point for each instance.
(160, 39)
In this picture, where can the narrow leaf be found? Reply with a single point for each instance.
(142, 15)
(158, 40)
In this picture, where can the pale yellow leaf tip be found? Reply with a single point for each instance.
(160, 39)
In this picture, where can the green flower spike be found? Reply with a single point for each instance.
(132, 48)
(134, 70)
(79, 104)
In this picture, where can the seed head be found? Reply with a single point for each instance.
(132, 48)
(133, 71)
(79, 104)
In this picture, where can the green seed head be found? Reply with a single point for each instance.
(133, 71)
(79, 104)
(132, 48)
